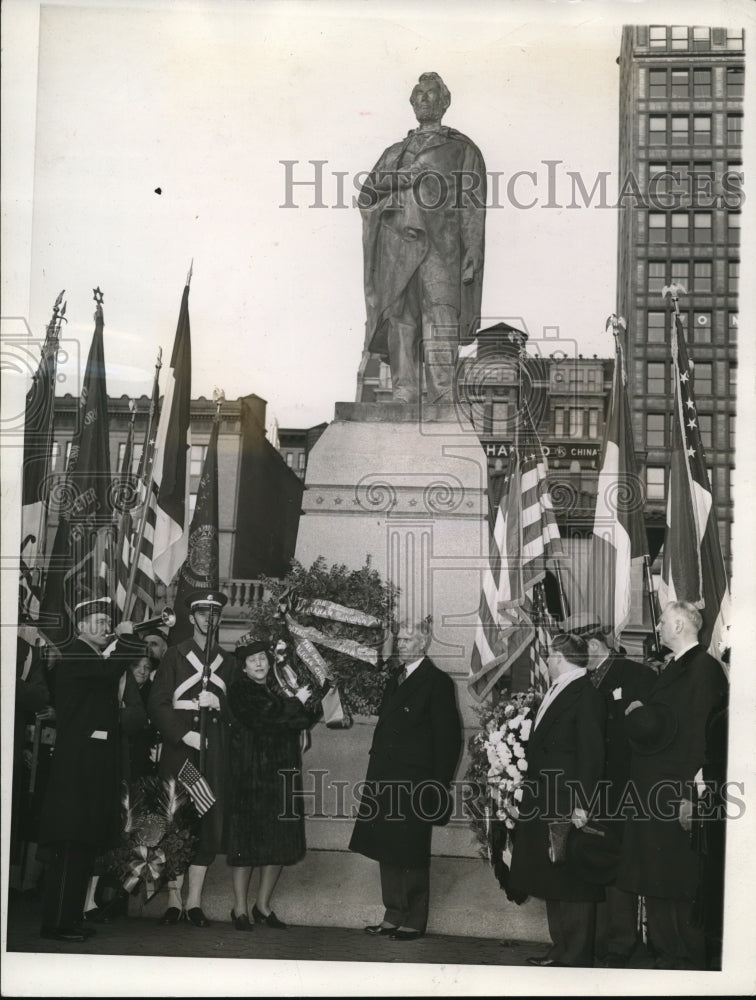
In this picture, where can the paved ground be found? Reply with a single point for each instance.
(144, 937)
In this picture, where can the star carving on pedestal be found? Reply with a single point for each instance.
(338, 500)
(98, 296)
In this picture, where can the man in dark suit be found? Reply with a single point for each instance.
(565, 757)
(81, 815)
(667, 735)
(620, 681)
(415, 749)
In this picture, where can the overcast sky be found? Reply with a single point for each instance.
(205, 104)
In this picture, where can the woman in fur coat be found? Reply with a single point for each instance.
(265, 820)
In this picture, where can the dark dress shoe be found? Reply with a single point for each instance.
(544, 962)
(398, 935)
(197, 917)
(97, 916)
(171, 916)
(379, 930)
(68, 934)
(88, 932)
(241, 923)
(270, 921)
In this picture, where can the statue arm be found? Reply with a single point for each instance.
(473, 215)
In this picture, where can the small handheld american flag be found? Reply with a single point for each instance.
(196, 785)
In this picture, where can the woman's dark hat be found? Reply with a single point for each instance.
(650, 728)
(248, 644)
(593, 853)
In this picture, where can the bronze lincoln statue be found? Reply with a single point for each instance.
(423, 214)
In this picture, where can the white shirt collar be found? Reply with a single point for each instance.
(409, 667)
(559, 684)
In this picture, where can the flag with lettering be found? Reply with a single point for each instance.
(693, 567)
(85, 504)
(619, 535)
(171, 468)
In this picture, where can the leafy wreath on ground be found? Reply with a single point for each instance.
(158, 836)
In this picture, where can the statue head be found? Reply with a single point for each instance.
(430, 98)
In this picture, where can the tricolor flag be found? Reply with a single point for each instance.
(171, 470)
(619, 534)
(201, 568)
(196, 785)
(693, 568)
(525, 534)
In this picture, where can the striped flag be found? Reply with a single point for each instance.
(525, 534)
(539, 668)
(171, 470)
(693, 568)
(196, 785)
(619, 535)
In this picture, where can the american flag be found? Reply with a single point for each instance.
(143, 590)
(693, 568)
(619, 534)
(196, 785)
(525, 534)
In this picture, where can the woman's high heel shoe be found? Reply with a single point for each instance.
(241, 923)
(271, 920)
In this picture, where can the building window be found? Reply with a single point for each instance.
(735, 39)
(137, 456)
(657, 274)
(702, 227)
(701, 38)
(290, 459)
(704, 429)
(733, 275)
(559, 413)
(701, 83)
(657, 227)
(702, 327)
(657, 37)
(656, 378)
(301, 463)
(197, 459)
(680, 79)
(731, 425)
(655, 483)
(500, 422)
(680, 130)
(733, 375)
(735, 79)
(656, 430)
(593, 415)
(657, 83)
(657, 130)
(656, 329)
(734, 130)
(679, 233)
(702, 130)
(576, 423)
(121, 453)
(733, 228)
(679, 37)
(702, 277)
(732, 325)
(702, 378)
(55, 455)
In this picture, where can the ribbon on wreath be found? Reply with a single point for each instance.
(146, 867)
(306, 639)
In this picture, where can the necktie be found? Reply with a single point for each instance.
(402, 675)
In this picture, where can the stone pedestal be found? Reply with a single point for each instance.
(406, 486)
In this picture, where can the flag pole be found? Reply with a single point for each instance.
(147, 473)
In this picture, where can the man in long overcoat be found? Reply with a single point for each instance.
(620, 681)
(423, 213)
(668, 737)
(416, 746)
(565, 756)
(177, 697)
(81, 815)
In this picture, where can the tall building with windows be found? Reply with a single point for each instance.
(680, 168)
